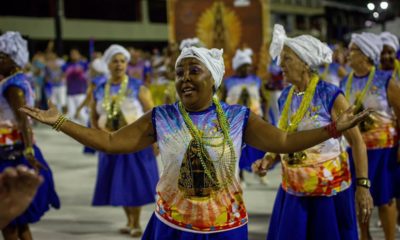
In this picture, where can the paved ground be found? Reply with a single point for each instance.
(75, 176)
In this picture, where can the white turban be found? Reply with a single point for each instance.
(211, 58)
(100, 66)
(115, 49)
(311, 50)
(390, 39)
(242, 57)
(370, 44)
(190, 42)
(12, 44)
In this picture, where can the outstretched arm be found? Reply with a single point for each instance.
(268, 138)
(131, 138)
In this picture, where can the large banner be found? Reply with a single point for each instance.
(227, 24)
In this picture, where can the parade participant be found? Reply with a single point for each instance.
(76, 82)
(388, 54)
(390, 63)
(368, 87)
(336, 70)
(127, 180)
(54, 78)
(200, 141)
(315, 198)
(16, 139)
(98, 73)
(244, 88)
(18, 187)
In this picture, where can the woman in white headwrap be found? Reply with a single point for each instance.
(368, 87)
(315, 199)
(390, 63)
(200, 141)
(244, 88)
(17, 146)
(127, 180)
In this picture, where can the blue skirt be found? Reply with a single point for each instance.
(313, 218)
(248, 156)
(126, 179)
(381, 172)
(157, 230)
(46, 195)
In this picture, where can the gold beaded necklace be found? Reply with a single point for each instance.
(112, 104)
(304, 105)
(358, 101)
(203, 156)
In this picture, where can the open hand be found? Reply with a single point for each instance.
(48, 116)
(348, 120)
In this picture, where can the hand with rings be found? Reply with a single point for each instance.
(364, 204)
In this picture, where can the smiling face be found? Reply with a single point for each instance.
(118, 65)
(194, 84)
(388, 56)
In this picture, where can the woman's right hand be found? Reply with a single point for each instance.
(48, 116)
(261, 166)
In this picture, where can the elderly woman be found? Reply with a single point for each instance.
(315, 198)
(17, 146)
(127, 180)
(200, 141)
(368, 87)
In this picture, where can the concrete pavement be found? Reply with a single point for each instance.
(75, 175)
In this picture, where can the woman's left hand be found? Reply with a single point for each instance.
(364, 204)
(348, 120)
(35, 164)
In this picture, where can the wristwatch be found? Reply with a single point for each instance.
(363, 182)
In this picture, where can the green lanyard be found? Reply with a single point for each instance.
(360, 99)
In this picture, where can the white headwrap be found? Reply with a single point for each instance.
(115, 49)
(211, 58)
(100, 66)
(12, 44)
(370, 44)
(311, 50)
(390, 39)
(190, 42)
(242, 57)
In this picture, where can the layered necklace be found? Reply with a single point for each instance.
(358, 101)
(304, 105)
(112, 104)
(296, 158)
(202, 143)
(396, 70)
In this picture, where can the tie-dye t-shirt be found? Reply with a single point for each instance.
(325, 170)
(187, 199)
(379, 130)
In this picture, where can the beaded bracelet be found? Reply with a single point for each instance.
(332, 130)
(59, 122)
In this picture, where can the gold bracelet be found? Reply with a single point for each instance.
(57, 121)
(29, 151)
(60, 121)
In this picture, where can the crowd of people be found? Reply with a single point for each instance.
(330, 118)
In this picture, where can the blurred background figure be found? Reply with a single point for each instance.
(75, 77)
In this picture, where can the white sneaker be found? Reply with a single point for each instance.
(243, 184)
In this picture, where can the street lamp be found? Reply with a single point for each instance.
(384, 5)
(371, 6)
(379, 13)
